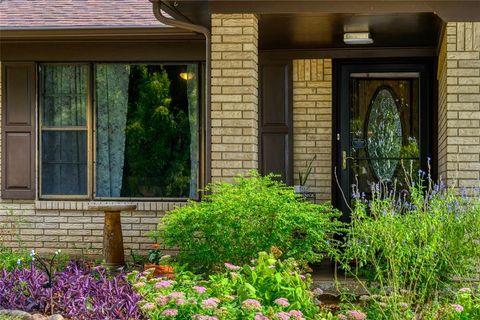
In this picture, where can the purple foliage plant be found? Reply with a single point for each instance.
(76, 292)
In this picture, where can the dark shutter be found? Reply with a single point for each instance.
(18, 131)
(275, 125)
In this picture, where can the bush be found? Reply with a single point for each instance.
(415, 243)
(267, 289)
(236, 221)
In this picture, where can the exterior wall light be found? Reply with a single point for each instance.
(186, 75)
(357, 38)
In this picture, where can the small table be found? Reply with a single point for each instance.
(112, 232)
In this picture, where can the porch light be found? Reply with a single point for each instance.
(186, 75)
(357, 38)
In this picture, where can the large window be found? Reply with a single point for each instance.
(113, 130)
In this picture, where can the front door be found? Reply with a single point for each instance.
(383, 125)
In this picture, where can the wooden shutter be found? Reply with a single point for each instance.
(275, 125)
(18, 131)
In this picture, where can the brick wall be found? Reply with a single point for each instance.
(68, 225)
(459, 104)
(312, 123)
(234, 107)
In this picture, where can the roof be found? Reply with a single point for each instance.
(72, 14)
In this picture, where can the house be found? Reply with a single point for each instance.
(102, 102)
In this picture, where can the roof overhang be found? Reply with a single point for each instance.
(92, 33)
(447, 10)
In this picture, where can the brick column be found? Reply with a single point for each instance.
(234, 106)
(312, 123)
(459, 105)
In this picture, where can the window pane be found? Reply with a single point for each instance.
(64, 162)
(64, 151)
(147, 130)
(64, 95)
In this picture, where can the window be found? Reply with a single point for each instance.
(113, 130)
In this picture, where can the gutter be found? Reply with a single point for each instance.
(157, 11)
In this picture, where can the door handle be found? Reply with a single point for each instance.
(344, 159)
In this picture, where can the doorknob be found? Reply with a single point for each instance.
(344, 159)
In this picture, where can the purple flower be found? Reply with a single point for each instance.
(356, 315)
(282, 316)
(260, 316)
(211, 303)
(170, 313)
(163, 284)
(199, 289)
(283, 302)
(231, 266)
(251, 304)
(457, 308)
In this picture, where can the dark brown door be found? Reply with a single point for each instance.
(275, 120)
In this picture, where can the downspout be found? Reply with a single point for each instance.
(157, 11)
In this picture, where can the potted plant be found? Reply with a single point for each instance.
(157, 260)
(302, 187)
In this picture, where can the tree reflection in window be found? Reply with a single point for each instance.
(384, 135)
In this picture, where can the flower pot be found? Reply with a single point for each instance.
(160, 270)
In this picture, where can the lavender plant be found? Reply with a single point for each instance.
(416, 242)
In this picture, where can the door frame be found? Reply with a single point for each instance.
(341, 91)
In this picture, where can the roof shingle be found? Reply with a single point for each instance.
(61, 14)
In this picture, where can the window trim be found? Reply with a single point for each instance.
(92, 134)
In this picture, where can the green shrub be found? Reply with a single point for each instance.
(415, 244)
(236, 221)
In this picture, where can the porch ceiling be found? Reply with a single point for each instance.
(325, 30)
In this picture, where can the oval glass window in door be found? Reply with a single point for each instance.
(384, 135)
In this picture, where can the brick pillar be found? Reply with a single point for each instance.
(312, 123)
(459, 105)
(234, 106)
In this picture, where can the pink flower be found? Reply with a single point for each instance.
(283, 302)
(342, 317)
(282, 316)
(457, 308)
(176, 295)
(231, 266)
(260, 316)
(465, 290)
(356, 315)
(170, 313)
(199, 289)
(211, 303)
(162, 300)
(251, 304)
(148, 306)
(204, 317)
(180, 301)
(163, 284)
(297, 314)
